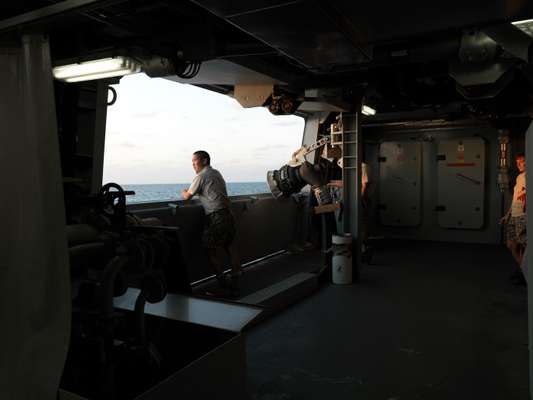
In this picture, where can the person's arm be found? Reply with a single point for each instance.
(193, 189)
(335, 183)
(364, 179)
(505, 218)
(522, 198)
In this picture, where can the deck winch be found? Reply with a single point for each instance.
(298, 172)
(110, 251)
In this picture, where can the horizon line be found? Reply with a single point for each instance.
(184, 183)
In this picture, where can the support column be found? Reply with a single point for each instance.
(34, 270)
(99, 135)
(529, 256)
(310, 135)
(351, 176)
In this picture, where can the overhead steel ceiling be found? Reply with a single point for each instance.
(399, 51)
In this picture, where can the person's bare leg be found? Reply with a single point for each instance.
(521, 250)
(511, 245)
(514, 247)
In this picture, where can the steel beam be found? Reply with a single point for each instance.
(528, 270)
(310, 136)
(54, 10)
(346, 26)
(35, 335)
(99, 135)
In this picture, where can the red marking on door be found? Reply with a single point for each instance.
(461, 164)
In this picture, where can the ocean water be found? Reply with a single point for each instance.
(172, 191)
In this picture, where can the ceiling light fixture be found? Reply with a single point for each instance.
(366, 110)
(524, 21)
(525, 26)
(97, 69)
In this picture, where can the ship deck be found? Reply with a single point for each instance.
(426, 321)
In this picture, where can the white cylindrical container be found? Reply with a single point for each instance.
(341, 265)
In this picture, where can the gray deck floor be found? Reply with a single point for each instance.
(428, 321)
(270, 271)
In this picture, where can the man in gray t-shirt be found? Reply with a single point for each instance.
(210, 187)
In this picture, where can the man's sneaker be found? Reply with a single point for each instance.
(228, 286)
(232, 284)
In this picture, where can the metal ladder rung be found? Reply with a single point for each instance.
(349, 168)
(349, 157)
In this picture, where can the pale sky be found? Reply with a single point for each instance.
(156, 124)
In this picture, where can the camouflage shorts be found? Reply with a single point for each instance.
(516, 230)
(219, 230)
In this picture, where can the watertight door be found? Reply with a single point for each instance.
(400, 183)
(461, 183)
